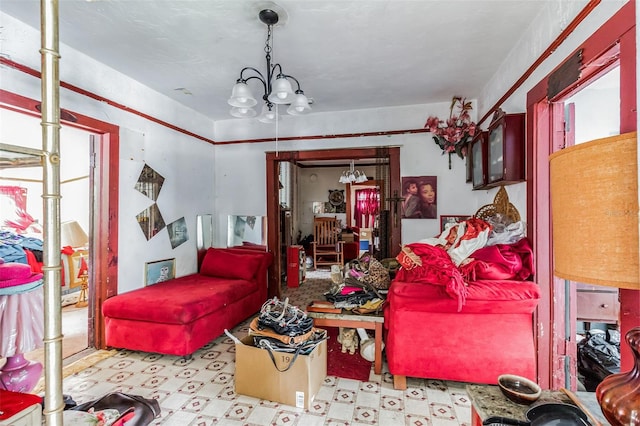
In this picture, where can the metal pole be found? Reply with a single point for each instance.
(50, 56)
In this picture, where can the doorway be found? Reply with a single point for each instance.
(103, 222)
(390, 155)
(610, 46)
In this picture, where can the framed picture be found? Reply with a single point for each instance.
(159, 270)
(178, 232)
(444, 219)
(420, 199)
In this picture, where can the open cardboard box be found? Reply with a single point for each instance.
(256, 374)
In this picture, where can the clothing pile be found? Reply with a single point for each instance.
(282, 327)
(364, 287)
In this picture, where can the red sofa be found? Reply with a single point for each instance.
(442, 325)
(179, 316)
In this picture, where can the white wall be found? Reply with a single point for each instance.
(186, 163)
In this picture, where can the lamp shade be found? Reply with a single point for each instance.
(300, 105)
(594, 210)
(242, 112)
(241, 96)
(72, 234)
(281, 92)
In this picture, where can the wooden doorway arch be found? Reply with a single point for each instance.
(273, 201)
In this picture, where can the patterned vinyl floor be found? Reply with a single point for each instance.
(200, 390)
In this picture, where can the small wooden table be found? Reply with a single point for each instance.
(488, 401)
(350, 320)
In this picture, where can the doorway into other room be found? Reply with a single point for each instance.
(312, 188)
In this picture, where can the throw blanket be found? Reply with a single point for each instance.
(462, 239)
(437, 268)
(500, 262)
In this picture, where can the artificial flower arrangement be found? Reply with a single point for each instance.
(453, 134)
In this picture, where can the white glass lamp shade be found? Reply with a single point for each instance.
(281, 92)
(242, 112)
(268, 115)
(361, 177)
(72, 235)
(300, 105)
(241, 96)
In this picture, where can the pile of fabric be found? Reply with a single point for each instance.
(468, 251)
(362, 286)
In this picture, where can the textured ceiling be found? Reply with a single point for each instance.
(346, 54)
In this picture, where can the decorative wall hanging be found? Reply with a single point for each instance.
(419, 197)
(150, 221)
(453, 134)
(178, 232)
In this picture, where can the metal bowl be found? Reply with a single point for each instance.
(519, 389)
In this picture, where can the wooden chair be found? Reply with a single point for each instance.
(327, 247)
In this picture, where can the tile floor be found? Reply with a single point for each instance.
(200, 390)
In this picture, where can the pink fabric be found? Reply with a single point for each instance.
(21, 322)
(437, 269)
(225, 264)
(501, 262)
(12, 271)
(14, 274)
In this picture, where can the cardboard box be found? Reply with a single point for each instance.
(347, 238)
(366, 234)
(257, 376)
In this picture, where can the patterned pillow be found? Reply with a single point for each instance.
(408, 259)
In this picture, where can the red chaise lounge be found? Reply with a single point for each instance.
(179, 316)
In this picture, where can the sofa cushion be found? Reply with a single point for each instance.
(225, 264)
(178, 301)
(483, 296)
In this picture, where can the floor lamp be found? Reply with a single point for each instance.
(594, 212)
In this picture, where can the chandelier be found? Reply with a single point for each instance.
(276, 85)
(352, 176)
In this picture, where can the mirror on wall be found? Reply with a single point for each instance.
(204, 231)
(246, 230)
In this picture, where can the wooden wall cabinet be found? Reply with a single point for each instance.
(505, 152)
(478, 160)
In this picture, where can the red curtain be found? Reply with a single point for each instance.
(367, 207)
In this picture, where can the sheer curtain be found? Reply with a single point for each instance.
(367, 207)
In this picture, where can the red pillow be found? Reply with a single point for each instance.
(224, 264)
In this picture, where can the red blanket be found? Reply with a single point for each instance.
(500, 262)
(437, 268)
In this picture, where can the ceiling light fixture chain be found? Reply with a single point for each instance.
(277, 87)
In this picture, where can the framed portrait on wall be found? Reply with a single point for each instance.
(445, 219)
(420, 195)
(159, 270)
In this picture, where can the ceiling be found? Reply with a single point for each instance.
(347, 54)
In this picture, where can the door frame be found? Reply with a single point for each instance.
(103, 244)
(273, 199)
(545, 137)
